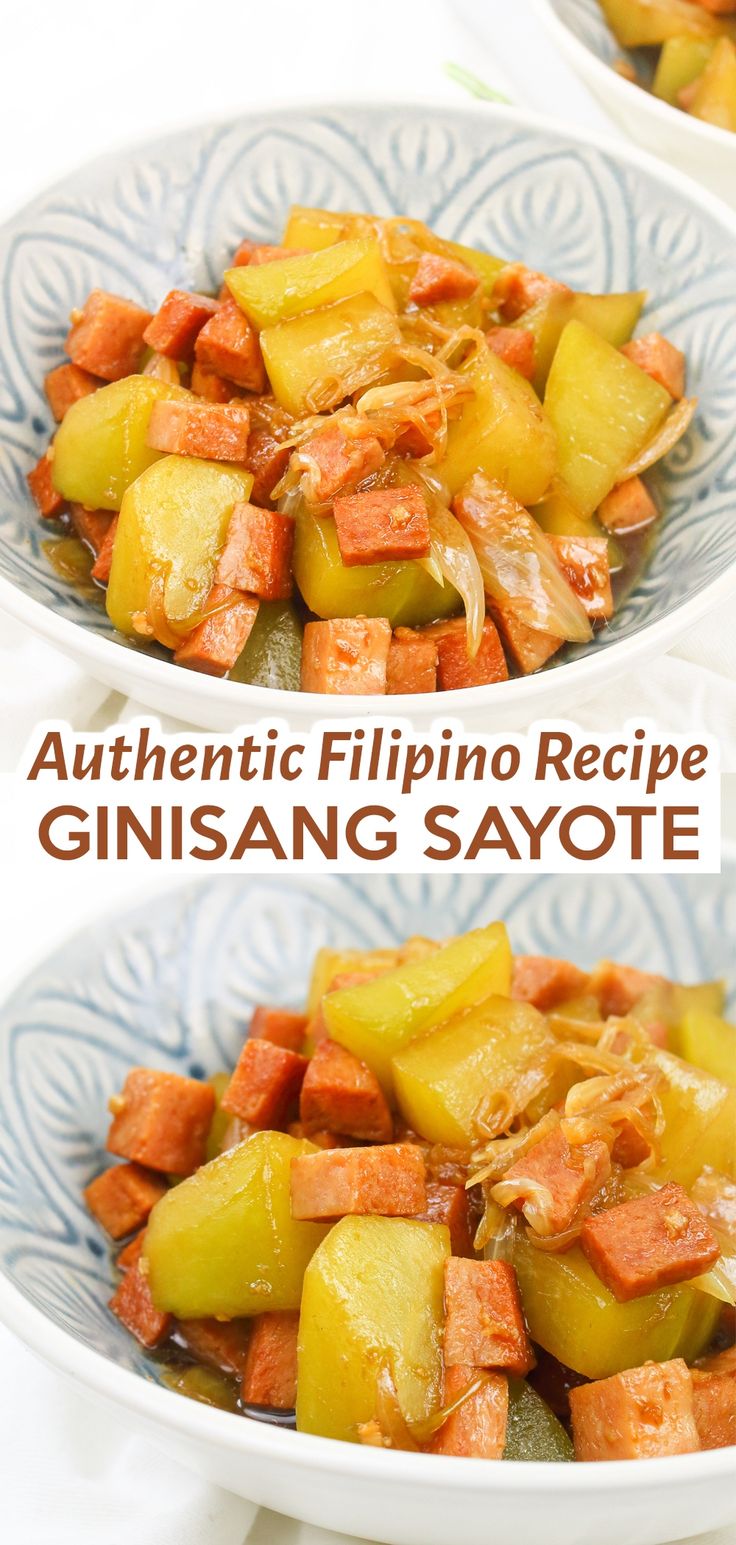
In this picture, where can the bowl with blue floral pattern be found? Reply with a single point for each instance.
(596, 216)
(171, 985)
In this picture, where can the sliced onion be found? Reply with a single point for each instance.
(499, 1154)
(660, 444)
(452, 552)
(715, 1195)
(720, 1281)
(517, 561)
(424, 1429)
(391, 1429)
(534, 1198)
(496, 1232)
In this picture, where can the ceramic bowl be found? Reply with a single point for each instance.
(580, 31)
(170, 212)
(173, 987)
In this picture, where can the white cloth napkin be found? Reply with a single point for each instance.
(72, 1474)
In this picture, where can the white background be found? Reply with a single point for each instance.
(80, 78)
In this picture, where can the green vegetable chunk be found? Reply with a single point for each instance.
(273, 292)
(220, 1120)
(100, 448)
(404, 592)
(502, 431)
(380, 1017)
(699, 1121)
(572, 1315)
(272, 656)
(603, 409)
(642, 23)
(172, 529)
(533, 1431)
(714, 98)
(372, 1304)
(613, 317)
(710, 1043)
(441, 1079)
(224, 1241)
(316, 360)
(682, 59)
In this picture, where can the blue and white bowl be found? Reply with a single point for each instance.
(172, 986)
(579, 29)
(169, 213)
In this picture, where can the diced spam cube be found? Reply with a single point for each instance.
(228, 345)
(212, 430)
(91, 526)
(180, 317)
(162, 1120)
(335, 460)
(134, 1307)
(544, 981)
(267, 456)
(341, 1094)
(528, 648)
(455, 669)
(584, 563)
(242, 255)
(263, 253)
(412, 663)
(477, 1428)
(628, 506)
(102, 565)
(269, 1376)
(221, 1344)
(257, 553)
(661, 360)
(517, 289)
(572, 1175)
(649, 1243)
(643, 1413)
(437, 278)
(281, 1026)
(516, 347)
(450, 1204)
(346, 656)
(714, 1407)
(630, 1147)
(106, 336)
(65, 385)
(387, 1180)
(266, 1080)
(382, 524)
(219, 639)
(719, 1362)
(50, 504)
(484, 1325)
(122, 1197)
(619, 988)
(320, 1139)
(130, 1253)
(213, 388)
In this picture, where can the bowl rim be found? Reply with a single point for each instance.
(662, 112)
(157, 1406)
(522, 693)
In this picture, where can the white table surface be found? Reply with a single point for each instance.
(68, 1477)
